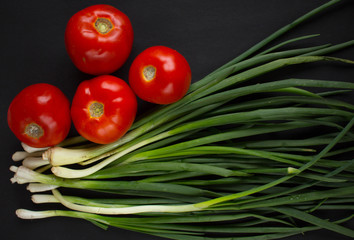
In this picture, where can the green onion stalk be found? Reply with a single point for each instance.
(236, 158)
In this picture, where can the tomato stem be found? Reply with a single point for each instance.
(33, 130)
(149, 73)
(103, 25)
(96, 109)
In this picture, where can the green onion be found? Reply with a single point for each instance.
(236, 158)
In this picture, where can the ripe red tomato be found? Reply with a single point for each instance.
(103, 109)
(39, 115)
(160, 75)
(99, 39)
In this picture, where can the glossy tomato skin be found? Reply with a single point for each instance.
(103, 109)
(40, 115)
(160, 75)
(94, 50)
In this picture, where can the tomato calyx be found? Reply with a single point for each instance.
(33, 130)
(103, 25)
(149, 73)
(96, 109)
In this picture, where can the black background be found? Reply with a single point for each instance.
(207, 32)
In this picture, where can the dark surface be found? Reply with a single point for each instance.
(208, 33)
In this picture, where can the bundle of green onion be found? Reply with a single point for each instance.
(234, 159)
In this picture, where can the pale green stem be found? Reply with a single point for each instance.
(78, 173)
(125, 210)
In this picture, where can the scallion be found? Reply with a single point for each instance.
(234, 159)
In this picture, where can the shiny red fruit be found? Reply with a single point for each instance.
(160, 75)
(99, 39)
(39, 115)
(103, 109)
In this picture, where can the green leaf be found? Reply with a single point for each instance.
(315, 221)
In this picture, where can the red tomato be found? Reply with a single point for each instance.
(103, 109)
(99, 39)
(160, 75)
(40, 115)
